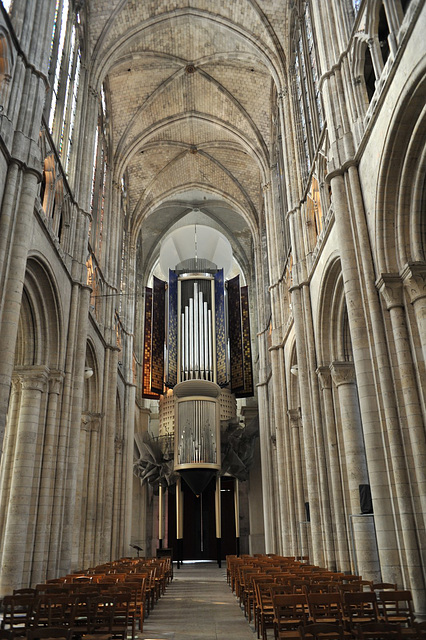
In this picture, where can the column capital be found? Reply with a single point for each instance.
(414, 279)
(294, 417)
(34, 378)
(342, 373)
(55, 382)
(324, 377)
(390, 287)
(118, 443)
(90, 421)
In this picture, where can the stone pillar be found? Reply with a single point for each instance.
(308, 429)
(367, 562)
(283, 466)
(13, 285)
(341, 533)
(288, 461)
(6, 467)
(392, 291)
(117, 514)
(15, 548)
(300, 513)
(324, 495)
(414, 278)
(266, 462)
(127, 477)
(70, 421)
(47, 482)
(103, 462)
(109, 468)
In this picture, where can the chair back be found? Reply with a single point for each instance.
(397, 607)
(322, 631)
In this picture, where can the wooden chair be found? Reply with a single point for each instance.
(354, 587)
(322, 631)
(101, 616)
(138, 587)
(360, 607)
(258, 578)
(397, 606)
(122, 618)
(290, 612)
(379, 631)
(420, 628)
(24, 592)
(383, 586)
(53, 610)
(326, 608)
(264, 608)
(40, 633)
(17, 613)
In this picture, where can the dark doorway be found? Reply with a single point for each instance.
(199, 526)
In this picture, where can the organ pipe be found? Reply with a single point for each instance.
(196, 334)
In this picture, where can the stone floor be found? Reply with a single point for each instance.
(198, 605)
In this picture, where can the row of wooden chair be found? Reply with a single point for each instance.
(108, 614)
(272, 589)
(105, 600)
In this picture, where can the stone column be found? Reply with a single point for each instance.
(91, 543)
(308, 429)
(341, 533)
(9, 448)
(324, 495)
(13, 286)
(284, 487)
(15, 548)
(127, 478)
(371, 360)
(367, 562)
(414, 278)
(300, 514)
(391, 289)
(47, 481)
(103, 462)
(117, 514)
(266, 461)
(288, 461)
(110, 456)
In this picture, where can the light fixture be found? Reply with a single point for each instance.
(294, 370)
(88, 373)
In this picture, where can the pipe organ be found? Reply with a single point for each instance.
(195, 357)
(196, 329)
(196, 361)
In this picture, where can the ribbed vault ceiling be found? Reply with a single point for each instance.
(189, 87)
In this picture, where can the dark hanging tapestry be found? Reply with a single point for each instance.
(219, 289)
(247, 361)
(235, 335)
(172, 333)
(158, 327)
(147, 348)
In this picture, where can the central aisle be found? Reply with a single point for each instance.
(197, 605)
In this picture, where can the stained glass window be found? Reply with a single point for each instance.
(61, 24)
(306, 83)
(7, 4)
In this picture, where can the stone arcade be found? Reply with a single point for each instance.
(293, 133)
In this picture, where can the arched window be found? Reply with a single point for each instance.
(100, 160)
(307, 102)
(369, 75)
(6, 65)
(7, 4)
(64, 75)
